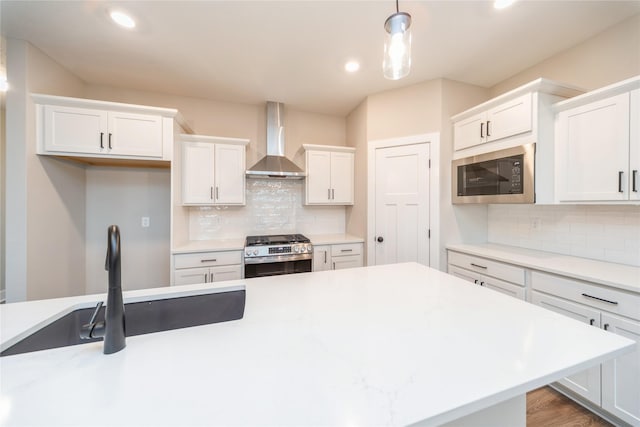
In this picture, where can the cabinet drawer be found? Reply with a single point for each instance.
(509, 273)
(347, 249)
(207, 259)
(191, 276)
(589, 294)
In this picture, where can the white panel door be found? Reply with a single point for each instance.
(197, 173)
(511, 118)
(318, 181)
(225, 272)
(321, 258)
(349, 261)
(587, 382)
(634, 147)
(135, 134)
(75, 130)
(229, 171)
(402, 204)
(342, 178)
(469, 132)
(593, 151)
(621, 376)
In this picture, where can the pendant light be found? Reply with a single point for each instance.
(397, 45)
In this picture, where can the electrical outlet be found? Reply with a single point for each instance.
(145, 221)
(536, 224)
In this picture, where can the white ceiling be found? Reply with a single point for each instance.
(294, 51)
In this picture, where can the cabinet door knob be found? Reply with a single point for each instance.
(380, 239)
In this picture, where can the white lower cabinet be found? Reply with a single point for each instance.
(505, 278)
(207, 267)
(337, 257)
(614, 385)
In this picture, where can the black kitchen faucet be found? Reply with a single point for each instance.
(113, 327)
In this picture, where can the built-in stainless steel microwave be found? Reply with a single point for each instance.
(504, 176)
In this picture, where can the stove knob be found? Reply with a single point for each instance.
(248, 252)
(255, 252)
(309, 248)
(296, 249)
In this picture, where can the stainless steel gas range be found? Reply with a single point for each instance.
(277, 254)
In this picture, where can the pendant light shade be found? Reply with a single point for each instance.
(397, 46)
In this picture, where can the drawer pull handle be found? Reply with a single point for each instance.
(208, 260)
(600, 299)
(479, 266)
(346, 250)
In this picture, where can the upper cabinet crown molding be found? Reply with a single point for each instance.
(539, 85)
(214, 139)
(65, 101)
(334, 148)
(598, 94)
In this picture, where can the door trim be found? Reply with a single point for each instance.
(433, 139)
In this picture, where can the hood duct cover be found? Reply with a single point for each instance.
(275, 164)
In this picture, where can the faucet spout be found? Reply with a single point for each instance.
(113, 327)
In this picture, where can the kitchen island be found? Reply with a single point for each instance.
(388, 345)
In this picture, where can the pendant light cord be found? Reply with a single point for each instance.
(397, 9)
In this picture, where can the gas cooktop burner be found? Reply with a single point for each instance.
(276, 239)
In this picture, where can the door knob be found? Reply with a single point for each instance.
(380, 239)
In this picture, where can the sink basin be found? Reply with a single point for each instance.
(141, 318)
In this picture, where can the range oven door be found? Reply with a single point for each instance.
(276, 265)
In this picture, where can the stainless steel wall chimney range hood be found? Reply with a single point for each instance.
(275, 164)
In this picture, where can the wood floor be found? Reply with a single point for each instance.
(547, 407)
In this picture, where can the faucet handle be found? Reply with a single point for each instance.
(86, 331)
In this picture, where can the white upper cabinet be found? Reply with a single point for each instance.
(521, 116)
(83, 128)
(508, 119)
(330, 174)
(598, 145)
(213, 170)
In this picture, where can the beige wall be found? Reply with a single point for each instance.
(606, 58)
(406, 111)
(356, 133)
(45, 197)
(3, 71)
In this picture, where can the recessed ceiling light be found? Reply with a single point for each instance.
(123, 19)
(352, 66)
(501, 4)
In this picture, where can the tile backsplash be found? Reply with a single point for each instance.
(273, 206)
(606, 233)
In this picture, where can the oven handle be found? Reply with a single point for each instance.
(277, 258)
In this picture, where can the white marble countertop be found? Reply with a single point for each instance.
(238, 244)
(386, 345)
(334, 239)
(618, 276)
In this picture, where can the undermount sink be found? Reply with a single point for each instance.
(143, 317)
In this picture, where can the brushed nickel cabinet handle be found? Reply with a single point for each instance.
(479, 266)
